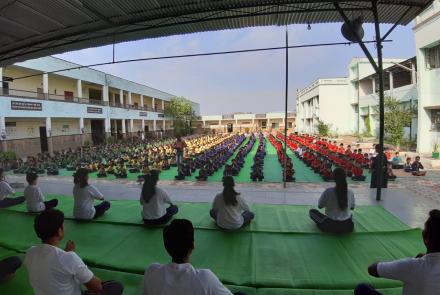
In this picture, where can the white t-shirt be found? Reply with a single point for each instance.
(84, 201)
(52, 271)
(420, 276)
(5, 190)
(229, 217)
(156, 207)
(329, 201)
(34, 199)
(181, 279)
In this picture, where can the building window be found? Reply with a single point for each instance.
(435, 120)
(263, 124)
(432, 56)
(68, 95)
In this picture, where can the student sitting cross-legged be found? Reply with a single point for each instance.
(420, 275)
(5, 191)
(229, 209)
(84, 197)
(179, 277)
(53, 271)
(8, 267)
(337, 201)
(153, 200)
(34, 197)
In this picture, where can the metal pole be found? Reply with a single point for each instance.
(285, 108)
(379, 168)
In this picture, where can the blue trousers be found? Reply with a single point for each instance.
(171, 211)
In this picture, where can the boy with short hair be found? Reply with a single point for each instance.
(420, 275)
(179, 277)
(53, 271)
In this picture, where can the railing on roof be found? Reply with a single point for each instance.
(71, 99)
(229, 116)
(260, 116)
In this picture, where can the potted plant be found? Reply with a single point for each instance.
(435, 152)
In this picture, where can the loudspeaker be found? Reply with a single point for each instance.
(357, 26)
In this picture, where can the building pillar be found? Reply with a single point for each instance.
(123, 126)
(131, 126)
(46, 85)
(79, 89)
(204, 124)
(153, 101)
(391, 81)
(121, 97)
(107, 127)
(49, 135)
(142, 102)
(105, 93)
(253, 124)
(3, 134)
(373, 81)
(413, 74)
(129, 98)
(164, 125)
(154, 125)
(143, 129)
(81, 130)
(268, 124)
(163, 106)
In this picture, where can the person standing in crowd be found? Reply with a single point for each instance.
(338, 202)
(53, 271)
(419, 275)
(229, 209)
(179, 277)
(383, 169)
(153, 200)
(5, 191)
(34, 196)
(84, 196)
(179, 146)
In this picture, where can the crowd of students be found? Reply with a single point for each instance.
(53, 270)
(257, 172)
(237, 163)
(323, 155)
(288, 170)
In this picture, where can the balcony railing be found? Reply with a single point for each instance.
(71, 99)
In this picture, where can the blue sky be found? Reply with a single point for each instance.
(248, 82)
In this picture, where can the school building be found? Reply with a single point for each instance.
(241, 122)
(42, 109)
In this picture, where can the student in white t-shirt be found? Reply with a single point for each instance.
(420, 275)
(53, 271)
(154, 200)
(338, 202)
(179, 277)
(229, 209)
(34, 196)
(84, 197)
(5, 191)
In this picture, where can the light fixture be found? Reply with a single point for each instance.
(356, 29)
(309, 27)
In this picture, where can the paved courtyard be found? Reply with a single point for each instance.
(409, 198)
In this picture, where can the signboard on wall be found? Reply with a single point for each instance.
(26, 106)
(93, 110)
(143, 114)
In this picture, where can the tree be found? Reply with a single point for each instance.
(181, 112)
(397, 117)
(323, 129)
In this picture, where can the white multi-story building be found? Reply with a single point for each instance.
(400, 82)
(325, 100)
(49, 111)
(427, 37)
(240, 122)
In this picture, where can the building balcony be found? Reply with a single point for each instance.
(403, 94)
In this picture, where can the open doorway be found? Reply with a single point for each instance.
(97, 127)
(43, 139)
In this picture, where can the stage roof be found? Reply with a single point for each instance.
(35, 28)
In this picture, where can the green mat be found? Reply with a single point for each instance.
(281, 253)
(270, 218)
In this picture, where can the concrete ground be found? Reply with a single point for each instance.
(409, 198)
